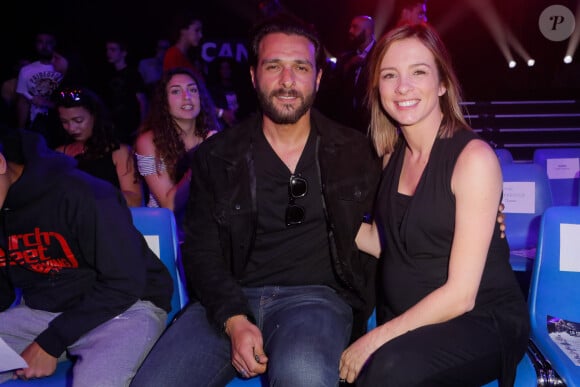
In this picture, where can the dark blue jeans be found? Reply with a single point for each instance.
(305, 330)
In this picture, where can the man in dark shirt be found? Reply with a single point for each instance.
(343, 89)
(270, 254)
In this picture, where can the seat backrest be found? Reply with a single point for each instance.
(554, 297)
(526, 195)
(160, 231)
(504, 155)
(562, 166)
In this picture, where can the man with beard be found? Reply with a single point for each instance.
(269, 254)
(344, 89)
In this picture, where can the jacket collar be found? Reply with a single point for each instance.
(238, 140)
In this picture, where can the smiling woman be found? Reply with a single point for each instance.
(447, 287)
(181, 116)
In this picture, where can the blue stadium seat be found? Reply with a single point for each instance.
(253, 382)
(526, 195)
(160, 231)
(159, 228)
(562, 166)
(554, 297)
(504, 155)
(526, 374)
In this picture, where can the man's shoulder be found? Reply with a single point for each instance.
(327, 124)
(76, 182)
(35, 67)
(231, 142)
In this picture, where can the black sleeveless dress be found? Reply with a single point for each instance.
(417, 234)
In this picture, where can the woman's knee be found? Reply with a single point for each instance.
(392, 367)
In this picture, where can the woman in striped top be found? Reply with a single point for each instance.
(181, 116)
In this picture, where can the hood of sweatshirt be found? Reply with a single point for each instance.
(41, 170)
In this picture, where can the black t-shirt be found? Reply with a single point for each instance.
(295, 255)
(120, 95)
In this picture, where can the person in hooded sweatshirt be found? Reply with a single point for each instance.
(91, 287)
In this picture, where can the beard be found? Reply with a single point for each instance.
(356, 40)
(287, 114)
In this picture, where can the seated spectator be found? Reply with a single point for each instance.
(36, 85)
(92, 141)
(93, 289)
(181, 116)
(124, 91)
(274, 207)
(151, 69)
(450, 310)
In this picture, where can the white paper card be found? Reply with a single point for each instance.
(153, 242)
(563, 168)
(9, 359)
(570, 247)
(519, 197)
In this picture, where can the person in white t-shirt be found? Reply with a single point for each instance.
(37, 82)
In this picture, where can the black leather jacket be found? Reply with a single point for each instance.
(221, 218)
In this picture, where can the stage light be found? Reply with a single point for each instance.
(531, 62)
(574, 38)
(500, 32)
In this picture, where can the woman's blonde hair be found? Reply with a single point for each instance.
(384, 129)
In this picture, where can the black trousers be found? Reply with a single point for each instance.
(463, 352)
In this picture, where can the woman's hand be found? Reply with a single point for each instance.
(356, 355)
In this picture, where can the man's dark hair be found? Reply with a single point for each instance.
(119, 39)
(287, 24)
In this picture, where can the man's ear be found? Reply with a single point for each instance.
(3, 165)
(252, 75)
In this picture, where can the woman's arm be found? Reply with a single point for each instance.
(130, 185)
(166, 192)
(367, 239)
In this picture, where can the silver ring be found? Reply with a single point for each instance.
(244, 373)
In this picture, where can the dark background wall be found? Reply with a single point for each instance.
(82, 25)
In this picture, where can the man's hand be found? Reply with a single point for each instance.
(42, 101)
(40, 363)
(248, 356)
(356, 355)
(60, 63)
(229, 116)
